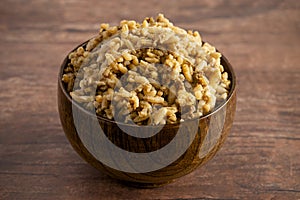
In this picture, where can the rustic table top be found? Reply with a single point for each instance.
(260, 158)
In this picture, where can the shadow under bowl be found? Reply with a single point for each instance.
(176, 149)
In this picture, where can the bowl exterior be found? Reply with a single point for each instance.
(209, 135)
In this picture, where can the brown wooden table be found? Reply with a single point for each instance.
(261, 157)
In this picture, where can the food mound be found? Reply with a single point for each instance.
(147, 73)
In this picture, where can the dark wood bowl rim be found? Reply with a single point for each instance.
(230, 72)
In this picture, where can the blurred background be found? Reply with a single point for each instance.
(260, 159)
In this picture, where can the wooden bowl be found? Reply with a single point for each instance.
(146, 162)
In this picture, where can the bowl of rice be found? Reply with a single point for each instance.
(146, 103)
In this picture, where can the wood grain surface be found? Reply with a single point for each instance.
(259, 160)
